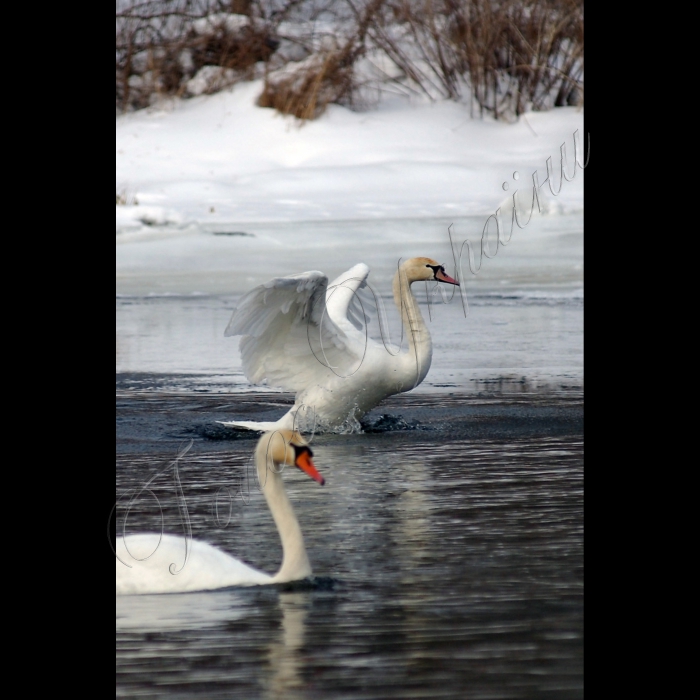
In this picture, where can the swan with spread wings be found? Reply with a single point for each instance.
(309, 337)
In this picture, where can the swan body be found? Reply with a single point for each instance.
(308, 337)
(177, 564)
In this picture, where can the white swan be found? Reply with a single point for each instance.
(178, 565)
(307, 336)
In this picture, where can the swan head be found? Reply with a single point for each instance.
(419, 269)
(288, 447)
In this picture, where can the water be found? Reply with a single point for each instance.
(524, 327)
(533, 341)
(449, 560)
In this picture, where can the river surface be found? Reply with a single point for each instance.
(518, 326)
(448, 557)
(447, 542)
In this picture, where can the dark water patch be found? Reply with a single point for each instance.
(453, 559)
(313, 583)
(216, 431)
(387, 423)
(152, 421)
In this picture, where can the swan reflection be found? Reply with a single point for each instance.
(285, 653)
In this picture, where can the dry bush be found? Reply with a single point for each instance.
(508, 56)
(327, 76)
(239, 50)
(126, 198)
(520, 55)
(162, 44)
(305, 89)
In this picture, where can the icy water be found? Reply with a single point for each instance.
(448, 558)
(524, 310)
(447, 543)
(535, 341)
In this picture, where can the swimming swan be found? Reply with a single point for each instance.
(206, 567)
(308, 337)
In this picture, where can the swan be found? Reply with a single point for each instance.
(177, 565)
(307, 336)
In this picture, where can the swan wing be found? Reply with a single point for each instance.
(261, 307)
(289, 337)
(349, 309)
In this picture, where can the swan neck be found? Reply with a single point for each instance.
(295, 561)
(419, 341)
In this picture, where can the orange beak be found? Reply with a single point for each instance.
(303, 461)
(440, 275)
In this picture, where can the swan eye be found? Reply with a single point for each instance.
(300, 449)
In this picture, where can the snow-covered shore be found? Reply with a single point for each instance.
(220, 158)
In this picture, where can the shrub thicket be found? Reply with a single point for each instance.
(506, 56)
